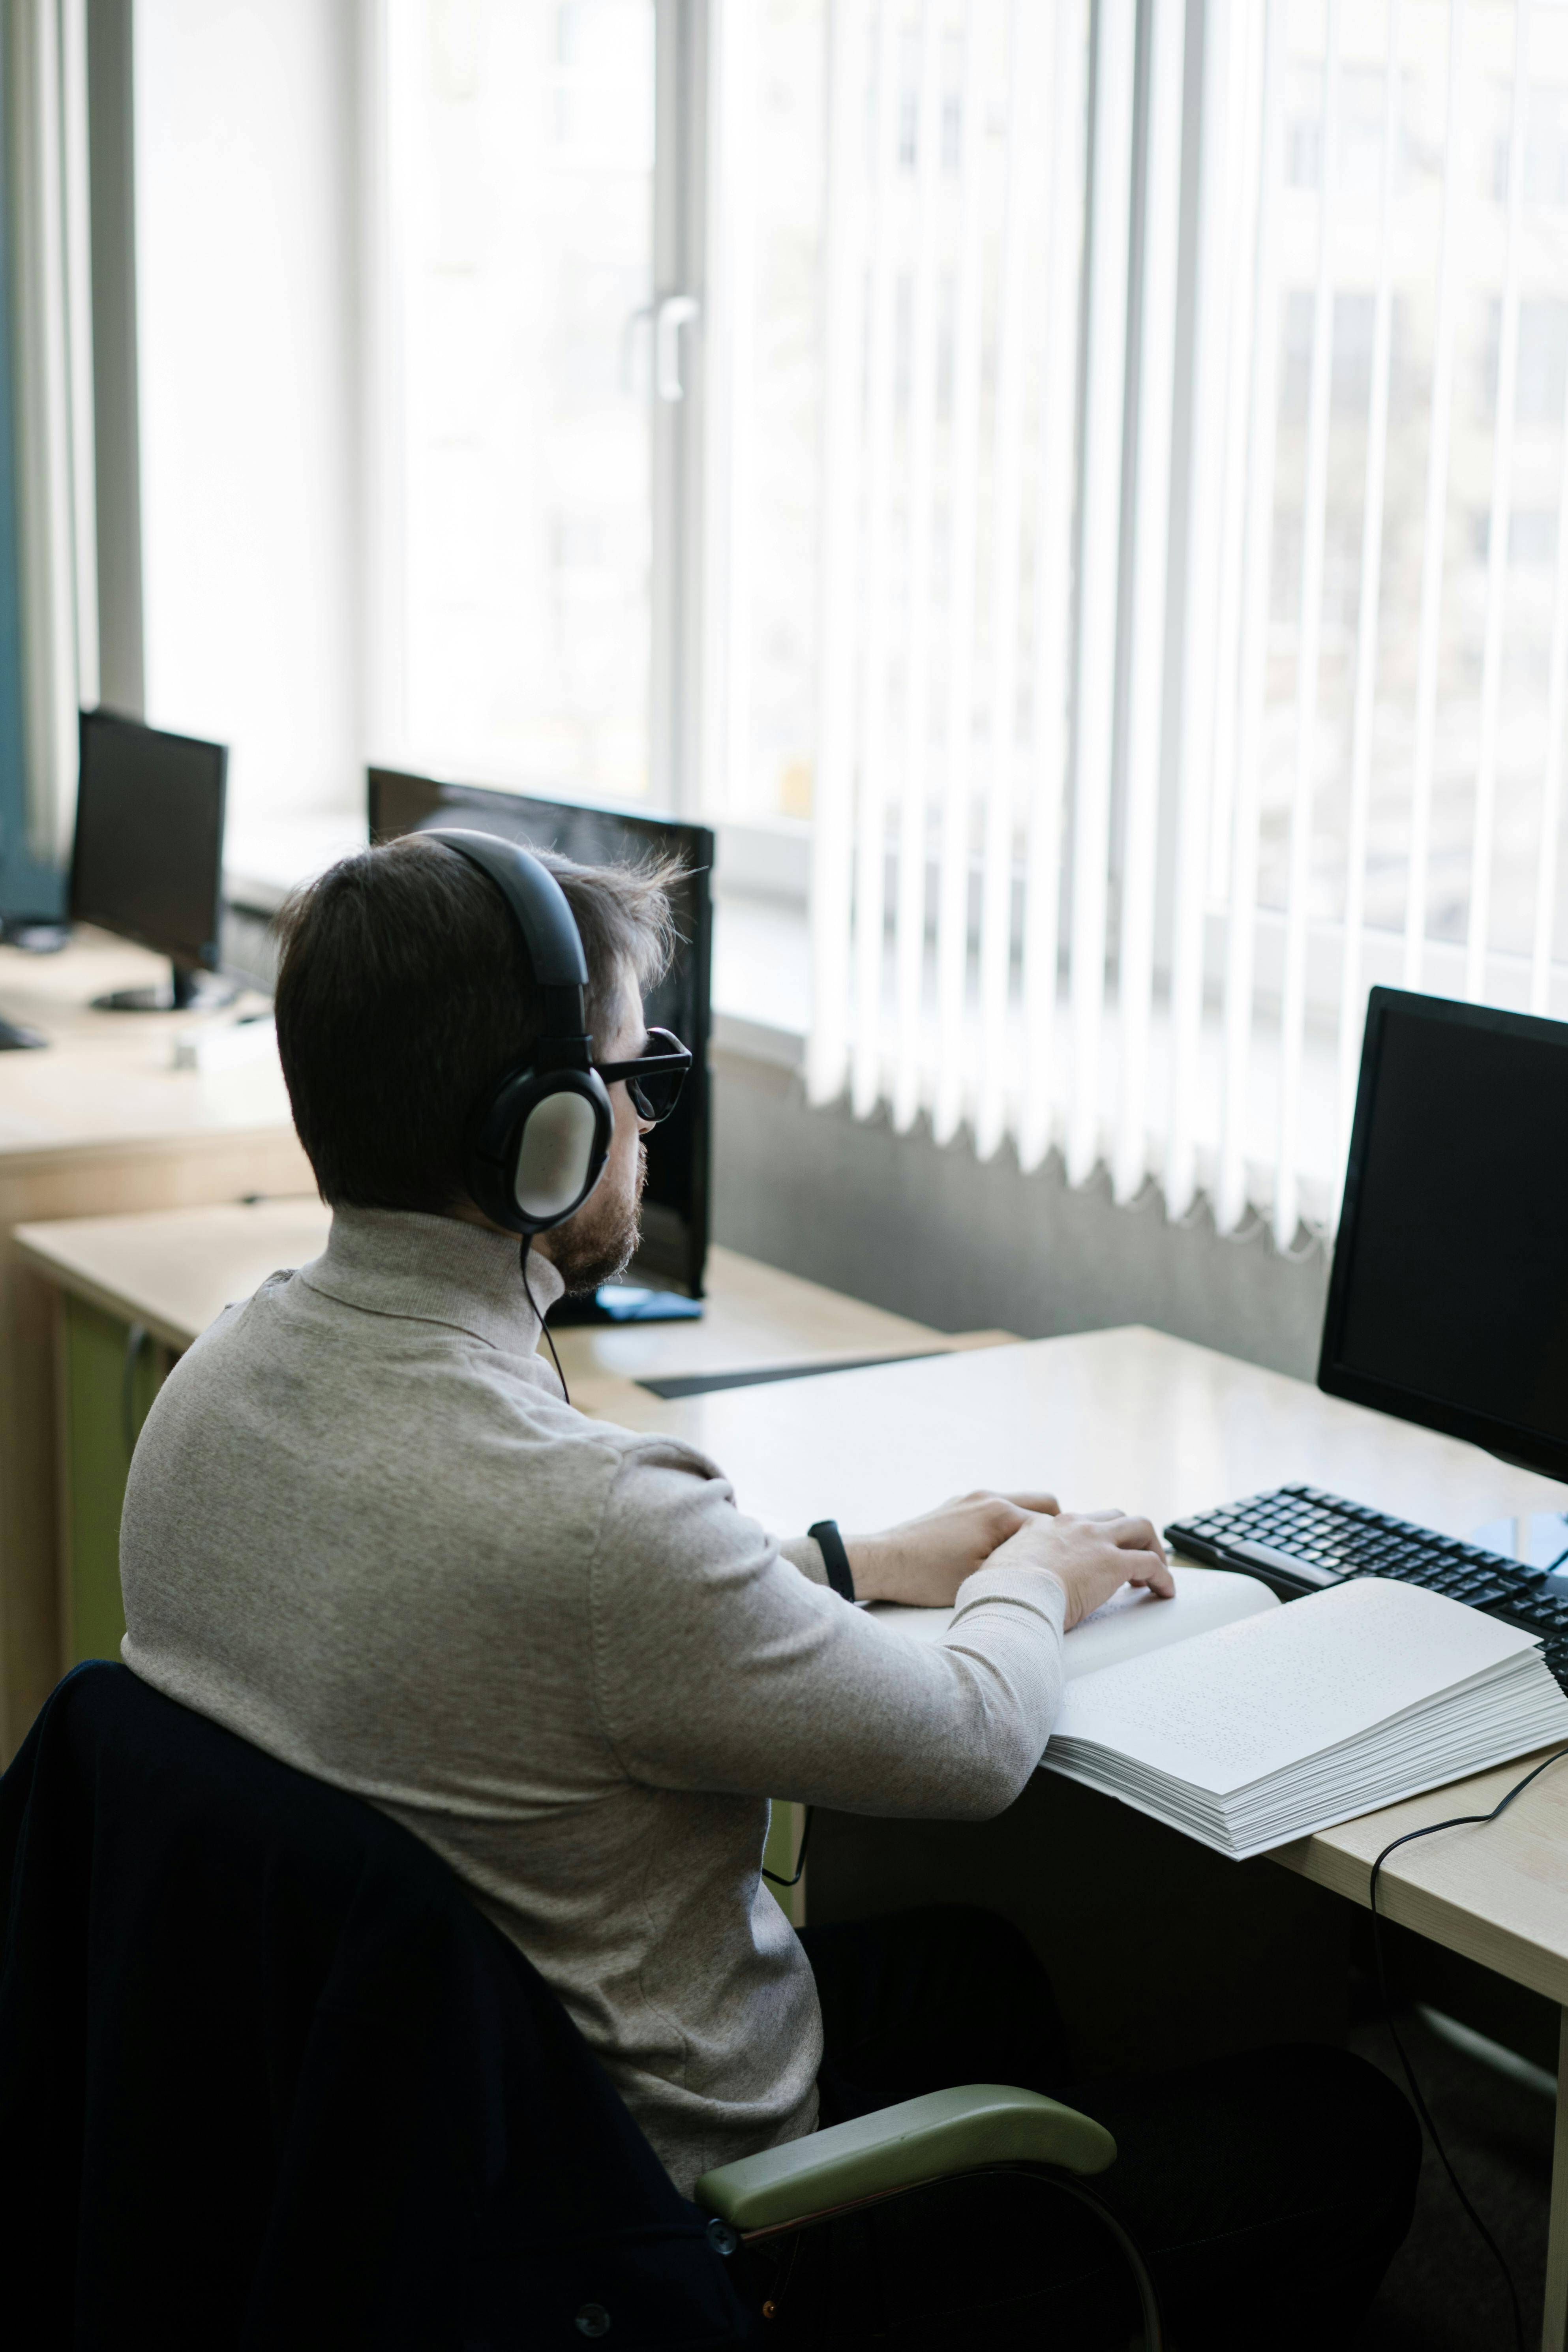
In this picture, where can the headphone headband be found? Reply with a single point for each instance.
(536, 899)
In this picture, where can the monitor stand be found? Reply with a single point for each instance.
(188, 991)
(624, 1302)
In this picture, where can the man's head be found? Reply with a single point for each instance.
(405, 992)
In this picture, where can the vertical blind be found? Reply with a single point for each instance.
(1192, 577)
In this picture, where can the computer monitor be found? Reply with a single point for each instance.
(1449, 1298)
(148, 858)
(675, 1206)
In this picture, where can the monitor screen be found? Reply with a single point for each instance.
(148, 860)
(675, 1205)
(1449, 1298)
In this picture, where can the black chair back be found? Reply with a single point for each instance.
(268, 2078)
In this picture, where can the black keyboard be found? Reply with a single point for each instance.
(1298, 1540)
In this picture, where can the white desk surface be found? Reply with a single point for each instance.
(1130, 1417)
(107, 1078)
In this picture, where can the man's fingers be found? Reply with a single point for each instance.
(1157, 1576)
(1045, 1505)
(1135, 1535)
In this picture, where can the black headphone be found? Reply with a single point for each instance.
(539, 1137)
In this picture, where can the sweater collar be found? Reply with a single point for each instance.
(435, 1270)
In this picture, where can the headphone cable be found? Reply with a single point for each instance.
(1460, 1821)
(548, 1334)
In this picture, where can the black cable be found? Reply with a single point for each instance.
(1459, 1821)
(548, 1334)
(800, 1859)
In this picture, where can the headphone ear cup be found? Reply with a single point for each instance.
(560, 1156)
(541, 1149)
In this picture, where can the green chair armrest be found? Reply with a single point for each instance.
(920, 2139)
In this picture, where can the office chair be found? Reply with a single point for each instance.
(267, 2076)
(979, 2127)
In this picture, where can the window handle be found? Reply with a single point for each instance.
(676, 311)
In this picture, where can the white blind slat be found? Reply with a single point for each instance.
(952, 907)
(911, 919)
(729, 390)
(1021, 205)
(1549, 849)
(832, 832)
(1352, 1008)
(1145, 697)
(1219, 203)
(1315, 501)
(1244, 107)
(1230, 1202)
(871, 825)
(1436, 517)
(1053, 577)
(1099, 535)
(1485, 813)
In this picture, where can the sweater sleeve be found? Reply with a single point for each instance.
(720, 1667)
(806, 1553)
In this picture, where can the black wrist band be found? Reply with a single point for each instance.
(835, 1558)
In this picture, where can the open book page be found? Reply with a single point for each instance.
(1132, 1621)
(1250, 1698)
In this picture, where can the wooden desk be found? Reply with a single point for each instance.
(100, 1121)
(173, 1273)
(1154, 1425)
(1130, 1417)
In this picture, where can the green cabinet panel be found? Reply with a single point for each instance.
(111, 1372)
(786, 1824)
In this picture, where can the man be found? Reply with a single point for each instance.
(365, 1531)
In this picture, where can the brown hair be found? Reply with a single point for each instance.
(405, 992)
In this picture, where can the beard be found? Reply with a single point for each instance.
(600, 1241)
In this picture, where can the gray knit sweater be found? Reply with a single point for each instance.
(364, 1530)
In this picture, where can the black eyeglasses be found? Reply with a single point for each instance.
(655, 1079)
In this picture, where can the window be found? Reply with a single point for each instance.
(1086, 482)
(520, 266)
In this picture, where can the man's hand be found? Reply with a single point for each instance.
(1091, 1558)
(925, 1561)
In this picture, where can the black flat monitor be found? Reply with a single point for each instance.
(674, 1246)
(148, 858)
(1449, 1298)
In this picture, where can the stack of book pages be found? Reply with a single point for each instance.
(1289, 1720)
(1248, 1723)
